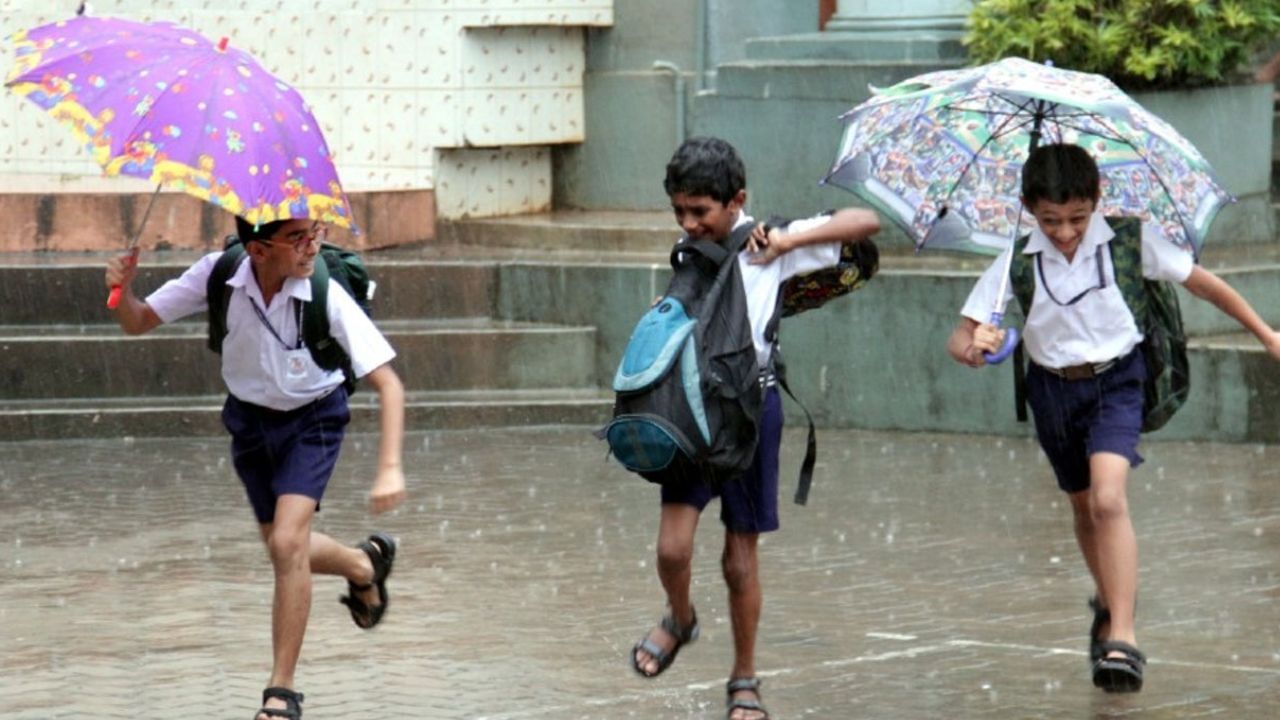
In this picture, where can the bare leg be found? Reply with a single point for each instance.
(288, 541)
(1106, 535)
(330, 557)
(741, 565)
(676, 529)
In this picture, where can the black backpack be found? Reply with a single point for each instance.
(344, 266)
(689, 396)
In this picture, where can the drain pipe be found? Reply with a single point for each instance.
(700, 43)
(679, 89)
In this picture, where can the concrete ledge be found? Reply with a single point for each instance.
(449, 355)
(199, 416)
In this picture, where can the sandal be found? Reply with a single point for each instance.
(664, 658)
(1101, 616)
(381, 549)
(1119, 674)
(293, 704)
(740, 685)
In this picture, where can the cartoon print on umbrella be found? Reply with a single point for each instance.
(163, 103)
(941, 154)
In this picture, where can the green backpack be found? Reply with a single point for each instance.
(1154, 305)
(344, 266)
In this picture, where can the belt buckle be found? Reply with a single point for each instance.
(1083, 371)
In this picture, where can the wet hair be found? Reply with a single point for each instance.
(1059, 173)
(246, 232)
(706, 166)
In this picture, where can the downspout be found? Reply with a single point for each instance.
(700, 43)
(679, 89)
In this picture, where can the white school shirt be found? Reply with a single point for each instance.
(761, 283)
(255, 364)
(1099, 327)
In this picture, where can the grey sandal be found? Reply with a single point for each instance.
(745, 684)
(664, 658)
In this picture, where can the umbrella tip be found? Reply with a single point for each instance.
(84, 9)
(222, 44)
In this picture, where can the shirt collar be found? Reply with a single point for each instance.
(297, 288)
(1099, 232)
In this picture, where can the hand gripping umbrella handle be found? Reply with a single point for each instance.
(113, 299)
(1010, 341)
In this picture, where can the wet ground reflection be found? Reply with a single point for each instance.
(932, 576)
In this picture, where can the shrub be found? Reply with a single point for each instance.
(1139, 44)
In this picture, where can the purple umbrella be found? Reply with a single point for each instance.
(163, 103)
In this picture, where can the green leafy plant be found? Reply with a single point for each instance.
(1139, 44)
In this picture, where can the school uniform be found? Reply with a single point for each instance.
(286, 415)
(749, 503)
(1085, 380)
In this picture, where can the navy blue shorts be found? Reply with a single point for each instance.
(285, 453)
(749, 503)
(1077, 418)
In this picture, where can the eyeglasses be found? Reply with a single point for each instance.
(302, 239)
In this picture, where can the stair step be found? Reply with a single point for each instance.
(463, 353)
(820, 80)
(596, 231)
(199, 415)
(36, 290)
(879, 46)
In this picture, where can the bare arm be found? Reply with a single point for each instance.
(845, 226)
(388, 486)
(971, 339)
(1208, 286)
(134, 315)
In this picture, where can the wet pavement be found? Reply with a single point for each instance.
(932, 576)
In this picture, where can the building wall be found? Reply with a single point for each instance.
(411, 94)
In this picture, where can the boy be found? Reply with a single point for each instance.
(706, 183)
(286, 417)
(1085, 382)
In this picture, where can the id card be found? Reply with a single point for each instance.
(296, 362)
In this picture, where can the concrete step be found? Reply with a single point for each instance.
(199, 415)
(816, 79)
(603, 232)
(68, 289)
(880, 46)
(59, 362)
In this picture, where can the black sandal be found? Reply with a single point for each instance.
(664, 658)
(292, 700)
(1101, 616)
(745, 684)
(1119, 674)
(381, 549)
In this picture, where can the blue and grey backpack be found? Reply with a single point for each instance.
(689, 396)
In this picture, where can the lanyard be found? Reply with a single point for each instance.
(1102, 281)
(262, 316)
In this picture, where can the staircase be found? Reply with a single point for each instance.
(67, 370)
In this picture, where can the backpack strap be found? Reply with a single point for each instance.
(326, 351)
(1126, 259)
(224, 267)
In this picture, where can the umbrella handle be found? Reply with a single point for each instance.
(113, 299)
(1010, 341)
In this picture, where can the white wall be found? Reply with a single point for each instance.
(396, 85)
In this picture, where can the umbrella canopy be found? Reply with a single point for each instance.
(162, 103)
(942, 153)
